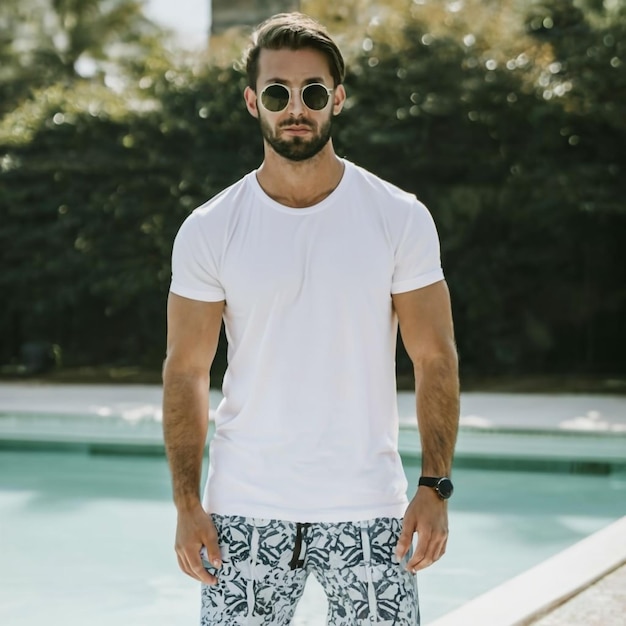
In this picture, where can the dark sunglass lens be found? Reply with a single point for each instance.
(315, 97)
(275, 97)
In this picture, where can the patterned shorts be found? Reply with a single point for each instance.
(266, 563)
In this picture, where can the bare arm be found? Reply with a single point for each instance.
(193, 333)
(425, 320)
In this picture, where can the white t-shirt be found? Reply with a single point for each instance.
(308, 427)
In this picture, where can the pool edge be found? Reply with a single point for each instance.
(539, 590)
(598, 453)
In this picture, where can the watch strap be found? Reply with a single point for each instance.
(429, 481)
(442, 485)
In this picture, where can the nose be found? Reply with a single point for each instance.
(296, 106)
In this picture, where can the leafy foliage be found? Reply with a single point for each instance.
(46, 41)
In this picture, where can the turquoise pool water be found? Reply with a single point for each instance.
(87, 539)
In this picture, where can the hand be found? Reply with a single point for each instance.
(195, 529)
(426, 515)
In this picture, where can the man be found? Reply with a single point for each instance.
(311, 262)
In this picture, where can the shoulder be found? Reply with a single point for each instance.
(224, 202)
(369, 179)
(391, 198)
(207, 224)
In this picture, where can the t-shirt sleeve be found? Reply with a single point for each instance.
(194, 270)
(417, 259)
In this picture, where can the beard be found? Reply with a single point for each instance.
(296, 148)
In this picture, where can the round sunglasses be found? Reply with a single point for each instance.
(276, 97)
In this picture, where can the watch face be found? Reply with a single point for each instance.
(445, 488)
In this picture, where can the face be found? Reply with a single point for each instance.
(296, 133)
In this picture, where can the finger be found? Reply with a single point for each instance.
(184, 566)
(194, 569)
(426, 552)
(429, 550)
(442, 548)
(212, 549)
(420, 553)
(404, 541)
(197, 569)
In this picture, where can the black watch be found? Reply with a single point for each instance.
(441, 484)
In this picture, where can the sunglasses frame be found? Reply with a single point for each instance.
(290, 91)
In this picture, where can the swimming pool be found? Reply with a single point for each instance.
(88, 538)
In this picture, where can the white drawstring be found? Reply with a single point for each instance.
(254, 550)
(367, 564)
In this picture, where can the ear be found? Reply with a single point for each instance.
(339, 99)
(249, 95)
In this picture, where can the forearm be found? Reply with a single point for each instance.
(185, 423)
(437, 398)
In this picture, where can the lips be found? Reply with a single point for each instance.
(297, 131)
(296, 124)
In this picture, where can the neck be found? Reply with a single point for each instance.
(300, 184)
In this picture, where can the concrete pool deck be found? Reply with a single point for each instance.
(586, 433)
(509, 411)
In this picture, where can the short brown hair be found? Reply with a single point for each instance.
(292, 31)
